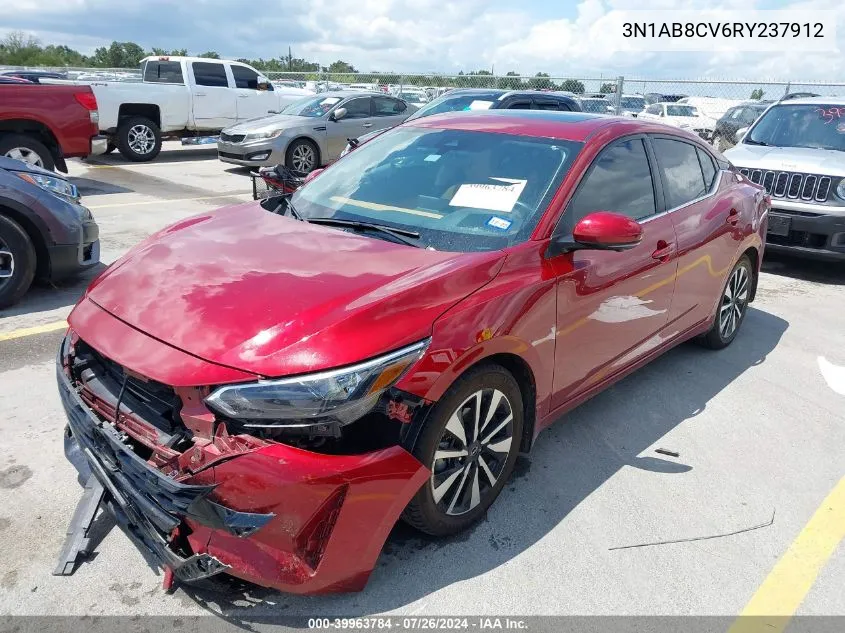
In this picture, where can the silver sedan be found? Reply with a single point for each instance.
(310, 132)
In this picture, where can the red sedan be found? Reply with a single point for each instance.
(265, 391)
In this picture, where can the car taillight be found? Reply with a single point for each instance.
(88, 101)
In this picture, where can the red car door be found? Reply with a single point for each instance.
(612, 307)
(706, 208)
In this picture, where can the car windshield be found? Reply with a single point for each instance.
(412, 96)
(815, 126)
(460, 190)
(633, 103)
(681, 110)
(312, 106)
(453, 103)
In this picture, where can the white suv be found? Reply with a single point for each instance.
(796, 150)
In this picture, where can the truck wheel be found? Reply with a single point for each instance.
(27, 149)
(17, 262)
(302, 156)
(138, 139)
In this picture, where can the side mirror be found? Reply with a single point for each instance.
(740, 133)
(312, 175)
(600, 230)
(338, 114)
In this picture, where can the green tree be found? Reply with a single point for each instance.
(541, 81)
(19, 49)
(118, 55)
(510, 81)
(572, 85)
(210, 55)
(757, 94)
(341, 67)
(607, 88)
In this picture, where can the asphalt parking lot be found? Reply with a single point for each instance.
(758, 429)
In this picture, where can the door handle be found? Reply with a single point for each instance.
(243, 96)
(367, 125)
(733, 217)
(663, 251)
(199, 94)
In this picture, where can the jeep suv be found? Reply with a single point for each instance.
(796, 150)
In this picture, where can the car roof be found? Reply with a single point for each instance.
(569, 126)
(839, 101)
(350, 93)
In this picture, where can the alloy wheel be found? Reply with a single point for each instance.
(734, 302)
(472, 452)
(141, 139)
(303, 158)
(7, 263)
(27, 155)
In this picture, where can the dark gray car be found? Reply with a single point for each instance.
(44, 230)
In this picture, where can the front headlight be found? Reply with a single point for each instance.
(263, 135)
(324, 401)
(840, 189)
(54, 185)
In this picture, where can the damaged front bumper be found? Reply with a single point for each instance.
(278, 516)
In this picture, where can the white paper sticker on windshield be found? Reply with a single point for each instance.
(493, 197)
(432, 158)
(480, 105)
(329, 100)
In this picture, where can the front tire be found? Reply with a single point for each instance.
(138, 139)
(17, 262)
(302, 156)
(470, 442)
(733, 306)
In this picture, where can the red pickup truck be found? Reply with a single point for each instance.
(44, 124)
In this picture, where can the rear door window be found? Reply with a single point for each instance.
(680, 170)
(245, 77)
(163, 72)
(388, 106)
(550, 104)
(208, 74)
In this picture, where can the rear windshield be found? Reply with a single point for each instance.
(681, 110)
(163, 72)
(460, 190)
(452, 103)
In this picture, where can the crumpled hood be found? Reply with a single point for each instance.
(825, 162)
(267, 294)
(271, 122)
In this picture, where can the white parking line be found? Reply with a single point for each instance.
(834, 375)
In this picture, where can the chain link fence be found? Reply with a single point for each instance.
(431, 85)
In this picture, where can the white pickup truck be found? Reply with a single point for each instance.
(182, 97)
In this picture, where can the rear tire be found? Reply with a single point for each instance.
(473, 467)
(17, 262)
(733, 305)
(138, 139)
(27, 149)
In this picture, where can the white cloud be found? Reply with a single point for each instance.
(416, 35)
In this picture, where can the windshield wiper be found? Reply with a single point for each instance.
(293, 212)
(751, 141)
(400, 235)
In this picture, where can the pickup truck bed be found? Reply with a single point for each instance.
(44, 124)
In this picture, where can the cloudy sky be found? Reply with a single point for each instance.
(561, 37)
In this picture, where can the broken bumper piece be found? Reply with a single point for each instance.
(147, 504)
(279, 516)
